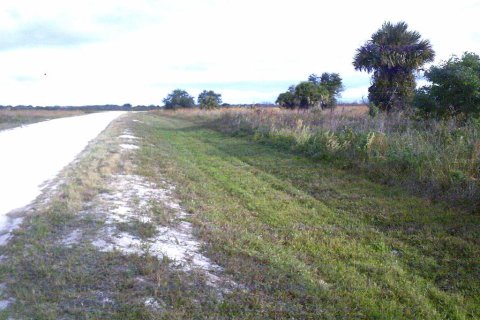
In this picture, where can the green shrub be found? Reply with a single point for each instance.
(455, 87)
(373, 110)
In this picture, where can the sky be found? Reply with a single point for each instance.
(137, 51)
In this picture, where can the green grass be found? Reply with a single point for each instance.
(49, 280)
(309, 239)
(302, 238)
(439, 159)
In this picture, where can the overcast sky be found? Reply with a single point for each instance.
(137, 51)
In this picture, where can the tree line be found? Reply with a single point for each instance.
(321, 91)
(182, 99)
(395, 56)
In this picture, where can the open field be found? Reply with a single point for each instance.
(269, 233)
(14, 118)
(310, 238)
(348, 110)
(439, 159)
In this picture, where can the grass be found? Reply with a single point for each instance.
(14, 118)
(439, 159)
(302, 237)
(50, 280)
(138, 228)
(311, 240)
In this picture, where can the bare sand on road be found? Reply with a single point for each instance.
(32, 155)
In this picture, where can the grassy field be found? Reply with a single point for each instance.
(439, 159)
(311, 240)
(300, 238)
(14, 118)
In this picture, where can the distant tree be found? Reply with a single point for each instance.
(313, 78)
(393, 54)
(179, 99)
(455, 87)
(287, 99)
(333, 83)
(317, 91)
(209, 99)
(309, 95)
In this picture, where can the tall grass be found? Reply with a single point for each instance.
(438, 158)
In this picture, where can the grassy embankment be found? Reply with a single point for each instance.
(437, 159)
(15, 118)
(51, 268)
(303, 238)
(310, 239)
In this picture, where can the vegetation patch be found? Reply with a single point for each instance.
(439, 159)
(56, 267)
(308, 239)
(284, 235)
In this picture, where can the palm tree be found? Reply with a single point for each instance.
(393, 55)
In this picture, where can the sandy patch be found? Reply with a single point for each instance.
(10, 224)
(73, 238)
(131, 200)
(153, 304)
(126, 146)
(135, 210)
(128, 137)
(4, 303)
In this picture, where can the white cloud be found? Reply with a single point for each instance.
(117, 51)
(358, 94)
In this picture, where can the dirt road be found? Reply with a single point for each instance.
(34, 154)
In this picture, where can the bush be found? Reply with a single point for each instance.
(318, 91)
(455, 88)
(209, 99)
(179, 99)
(373, 110)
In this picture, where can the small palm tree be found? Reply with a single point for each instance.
(393, 55)
(209, 99)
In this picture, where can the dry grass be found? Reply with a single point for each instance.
(339, 111)
(41, 113)
(14, 118)
(348, 110)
